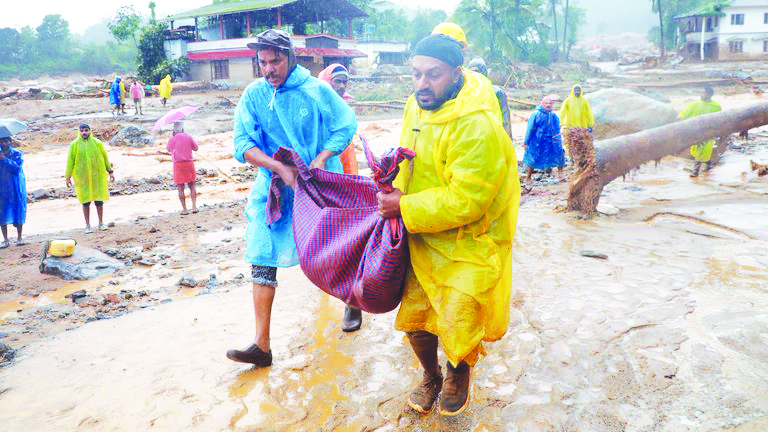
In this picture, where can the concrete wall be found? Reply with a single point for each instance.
(175, 49)
(240, 72)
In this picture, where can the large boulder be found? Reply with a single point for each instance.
(622, 112)
(86, 263)
(132, 136)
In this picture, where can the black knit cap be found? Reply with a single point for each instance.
(441, 47)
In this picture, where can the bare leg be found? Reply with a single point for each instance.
(528, 176)
(87, 215)
(18, 231)
(4, 229)
(182, 199)
(100, 213)
(193, 196)
(263, 295)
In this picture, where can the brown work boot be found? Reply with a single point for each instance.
(253, 354)
(424, 345)
(456, 395)
(423, 397)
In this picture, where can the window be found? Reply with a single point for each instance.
(765, 18)
(737, 19)
(765, 46)
(220, 69)
(735, 46)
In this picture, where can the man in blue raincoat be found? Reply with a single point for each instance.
(286, 108)
(543, 145)
(115, 96)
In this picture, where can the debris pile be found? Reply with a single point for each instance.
(132, 136)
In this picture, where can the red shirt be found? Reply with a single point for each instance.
(181, 146)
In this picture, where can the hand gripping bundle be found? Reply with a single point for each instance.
(344, 246)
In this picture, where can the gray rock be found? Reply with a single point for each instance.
(85, 263)
(6, 353)
(621, 112)
(132, 136)
(187, 281)
(38, 194)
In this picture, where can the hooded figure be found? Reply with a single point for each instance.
(332, 75)
(459, 199)
(165, 89)
(575, 112)
(477, 64)
(89, 166)
(543, 146)
(115, 95)
(13, 190)
(701, 153)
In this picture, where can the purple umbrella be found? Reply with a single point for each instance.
(174, 115)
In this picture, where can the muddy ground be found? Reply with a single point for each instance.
(666, 334)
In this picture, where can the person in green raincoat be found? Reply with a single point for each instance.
(89, 166)
(702, 153)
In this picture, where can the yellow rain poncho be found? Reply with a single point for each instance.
(88, 166)
(123, 93)
(701, 152)
(460, 203)
(575, 112)
(165, 87)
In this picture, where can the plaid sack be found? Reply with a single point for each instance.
(344, 246)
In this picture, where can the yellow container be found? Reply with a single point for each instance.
(61, 248)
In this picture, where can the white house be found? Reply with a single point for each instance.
(737, 31)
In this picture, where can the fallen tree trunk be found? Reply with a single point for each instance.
(617, 156)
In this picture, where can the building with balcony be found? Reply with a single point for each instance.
(215, 38)
(735, 30)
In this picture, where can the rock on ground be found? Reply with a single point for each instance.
(621, 112)
(85, 263)
(132, 136)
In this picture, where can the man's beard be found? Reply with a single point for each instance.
(449, 93)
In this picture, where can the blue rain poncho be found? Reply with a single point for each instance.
(304, 114)
(114, 93)
(13, 189)
(544, 147)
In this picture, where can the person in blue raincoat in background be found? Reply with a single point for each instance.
(543, 145)
(287, 107)
(13, 191)
(115, 96)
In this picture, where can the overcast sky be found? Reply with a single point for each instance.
(83, 13)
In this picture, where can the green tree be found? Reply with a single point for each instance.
(53, 38)
(10, 50)
(152, 5)
(422, 24)
(153, 65)
(125, 24)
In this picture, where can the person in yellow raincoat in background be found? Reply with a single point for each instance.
(459, 200)
(165, 89)
(89, 165)
(123, 95)
(575, 119)
(702, 153)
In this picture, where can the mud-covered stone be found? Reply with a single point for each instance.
(85, 263)
(132, 136)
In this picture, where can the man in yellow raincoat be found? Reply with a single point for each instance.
(89, 165)
(123, 95)
(459, 200)
(576, 119)
(165, 89)
(702, 153)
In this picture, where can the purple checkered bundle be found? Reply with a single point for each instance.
(344, 246)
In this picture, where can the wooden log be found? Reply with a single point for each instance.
(618, 156)
(9, 94)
